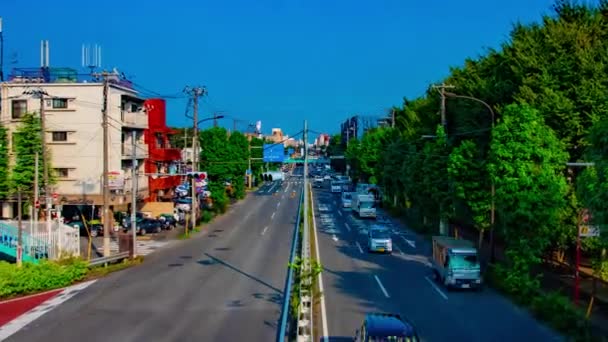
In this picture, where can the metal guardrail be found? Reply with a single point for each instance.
(108, 259)
(305, 332)
(288, 282)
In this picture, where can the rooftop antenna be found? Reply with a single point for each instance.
(91, 56)
(44, 54)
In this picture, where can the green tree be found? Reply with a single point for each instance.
(27, 143)
(4, 163)
(528, 171)
(434, 175)
(469, 177)
(239, 151)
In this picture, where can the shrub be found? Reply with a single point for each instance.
(206, 216)
(561, 314)
(45, 275)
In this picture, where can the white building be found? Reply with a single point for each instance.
(74, 133)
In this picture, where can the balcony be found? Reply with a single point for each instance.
(165, 154)
(141, 151)
(134, 119)
(163, 183)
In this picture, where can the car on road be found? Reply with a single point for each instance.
(379, 239)
(386, 327)
(336, 186)
(318, 182)
(347, 199)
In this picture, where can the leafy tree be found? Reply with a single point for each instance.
(215, 157)
(27, 143)
(4, 163)
(468, 173)
(527, 169)
(239, 150)
(434, 171)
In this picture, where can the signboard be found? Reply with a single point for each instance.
(116, 180)
(274, 153)
(590, 231)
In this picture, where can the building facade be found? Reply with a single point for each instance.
(163, 162)
(74, 132)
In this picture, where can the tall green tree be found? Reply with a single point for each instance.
(528, 171)
(239, 150)
(4, 163)
(468, 174)
(27, 143)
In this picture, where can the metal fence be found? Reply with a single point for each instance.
(58, 239)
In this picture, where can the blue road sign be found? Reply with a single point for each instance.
(274, 153)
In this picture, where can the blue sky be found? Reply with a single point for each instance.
(278, 61)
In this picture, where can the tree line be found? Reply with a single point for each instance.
(546, 88)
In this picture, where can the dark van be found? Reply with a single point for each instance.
(380, 327)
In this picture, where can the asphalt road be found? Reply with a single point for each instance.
(225, 284)
(356, 282)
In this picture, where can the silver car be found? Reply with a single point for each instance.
(379, 240)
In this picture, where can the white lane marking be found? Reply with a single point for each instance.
(347, 226)
(398, 250)
(18, 323)
(381, 286)
(359, 247)
(409, 242)
(334, 237)
(340, 212)
(278, 204)
(287, 187)
(272, 216)
(320, 276)
(264, 231)
(436, 288)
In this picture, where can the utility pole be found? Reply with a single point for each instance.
(443, 224)
(45, 166)
(195, 92)
(393, 118)
(214, 119)
(1, 53)
(306, 227)
(134, 186)
(106, 186)
(20, 228)
(36, 205)
(442, 87)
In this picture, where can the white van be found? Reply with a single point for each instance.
(336, 186)
(347, 200)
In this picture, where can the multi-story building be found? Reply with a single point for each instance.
(163, 160)
(277, 135)
(74, 133)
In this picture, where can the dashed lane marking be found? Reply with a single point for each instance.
(381, 286)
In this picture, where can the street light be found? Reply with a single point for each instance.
(492, 213)
(211, 118)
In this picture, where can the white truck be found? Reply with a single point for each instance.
(456, 263)
(364, 205)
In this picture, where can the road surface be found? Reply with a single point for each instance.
(225, 284)
(356, 282)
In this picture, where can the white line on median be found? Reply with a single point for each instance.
(409, 242)
(320, 276)
(347, 226)
(436, 288)
(264, 231)
(272, 216)
(381, 286)
(359, 246)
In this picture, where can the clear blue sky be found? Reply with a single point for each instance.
(278, 61)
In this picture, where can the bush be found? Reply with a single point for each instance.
(46, 275)
(206, 216)
(561, 314)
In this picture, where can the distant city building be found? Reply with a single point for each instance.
(276, 135)
(322, 140)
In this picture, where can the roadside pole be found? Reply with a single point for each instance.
(134, 187)
(20, 232)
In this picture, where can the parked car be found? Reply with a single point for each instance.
(167, 221)
(94, 226)
(146, 226)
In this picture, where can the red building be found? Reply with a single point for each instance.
(162, 159)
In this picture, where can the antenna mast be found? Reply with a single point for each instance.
(91, 58)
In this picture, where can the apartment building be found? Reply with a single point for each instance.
(74, 132)
(163, 161)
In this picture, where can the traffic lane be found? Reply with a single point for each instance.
(349, 289)
(473, 316)
(174, 295)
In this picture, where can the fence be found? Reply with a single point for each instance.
(62, 240)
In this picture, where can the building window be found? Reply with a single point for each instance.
(62, 172)
(60, 136)
(19, 108)
(60, 103)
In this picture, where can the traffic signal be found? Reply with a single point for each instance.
(198, 176)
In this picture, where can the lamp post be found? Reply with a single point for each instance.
(493, 206)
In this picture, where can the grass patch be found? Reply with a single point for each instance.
(101, 271)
